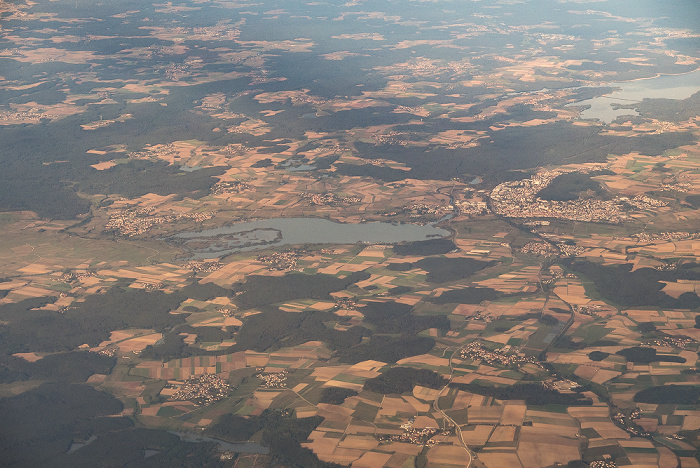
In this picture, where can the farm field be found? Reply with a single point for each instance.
(365, 233)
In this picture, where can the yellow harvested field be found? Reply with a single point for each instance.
(603, 375)
(643, 460)
(499, 459)
(359, 442)
(372, 460)
(256, 360)
(323, 305)
(151, 410)
(571, 291)
(447, 455)
(666, 457)
(373, 366)
(589, 411)
(426, 359)
(422, 422)
(464, 399)
(636, 443)
(691, 422)
(425, 393)
(30, 357)
(675, 289)
(327, 451)
(97, 379)
(339, 383)
(503, 434)
(399, 460)
(649, 424)
(572, 358)
(606, 429)
(323, 447)
(362, 373)
(373, 251)
(121, 335)
(359, 427)
(139, 343)
(306, 412)
(467, 309)
(513, 414)
(485, 414)
(185, 368)
(263, 398)
(548, 452)
(26, 292)
(38, 269)
(409, 299)
(587, 372)
(392, 405)
(418, 405)
(642, 315)
(334, 412)
(338, 267)
(540, 433)
(476, 435)
(688, 462)
(232, 272)
(403, 447)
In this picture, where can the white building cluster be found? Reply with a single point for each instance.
(518, 199)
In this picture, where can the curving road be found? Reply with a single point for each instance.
(436, 407)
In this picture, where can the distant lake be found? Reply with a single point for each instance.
(291, 231)
(661, 87)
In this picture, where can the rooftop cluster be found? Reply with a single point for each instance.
(203, 390)
(331, 199)
(235, 186)
(499, 356)
(518, 199)
(131, 223)
(539, 248)
(412, 435)
(629, 426)
(276, 380)
(281, 261)
(204, 266)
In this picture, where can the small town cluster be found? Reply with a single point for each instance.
(132, 222)
(203, 389)
(518, 199)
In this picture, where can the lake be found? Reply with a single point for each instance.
(660, 87)
(292, 231)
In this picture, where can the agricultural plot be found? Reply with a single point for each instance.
(547, 312)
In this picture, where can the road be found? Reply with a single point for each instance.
(436, 407)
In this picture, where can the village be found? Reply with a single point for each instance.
(282, 261)
(202, 390)
(501, 356)
(133, 222)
